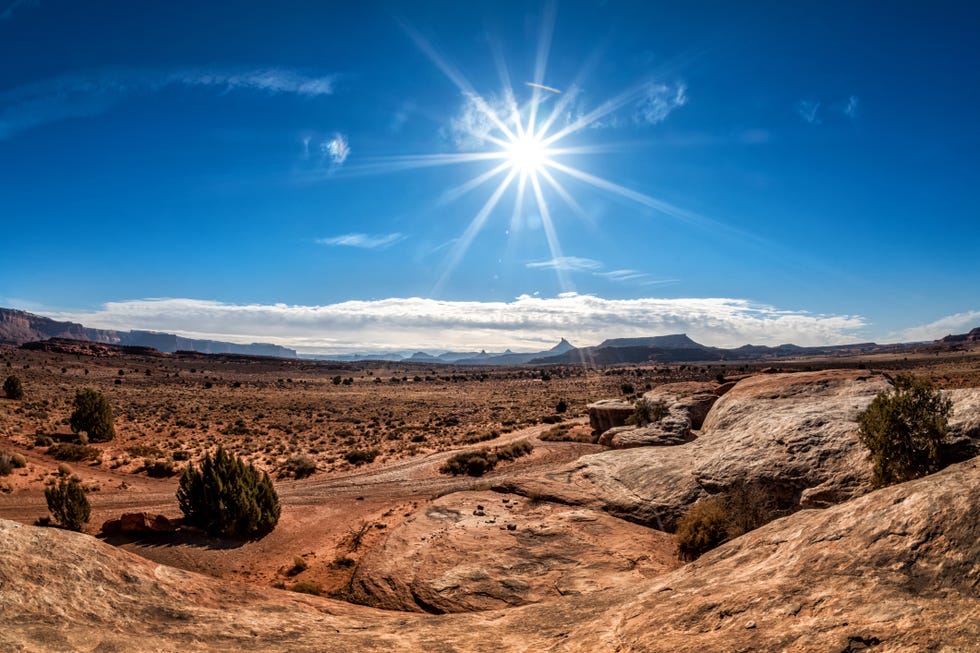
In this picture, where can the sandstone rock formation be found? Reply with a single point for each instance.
(140, 522)
(482, 550)
(796, 434)
(897, 570)
(687, 405)
(608, 413)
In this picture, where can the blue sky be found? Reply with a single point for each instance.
(778, 172)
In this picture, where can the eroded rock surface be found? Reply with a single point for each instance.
(795, 434)
(608, 413)
(686, 405)
(483, 550)
(897, 569)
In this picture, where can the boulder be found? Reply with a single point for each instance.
(964, 425)
(140, 523)
(608, 413)
(653, 435)
(687, 405)
(691, 399)
(792, 433)
(471, 551)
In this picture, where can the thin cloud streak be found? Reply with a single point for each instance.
(659, 101)
(809, 110)
(526, 322)
(362, 241)
(87, 95)
(570, 263)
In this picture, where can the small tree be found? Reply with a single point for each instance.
(227, 497)
(13, 388)
(92, 414)
(904, 429)
(68, 504)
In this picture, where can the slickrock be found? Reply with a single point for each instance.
(795, 434)
(897, 570)
(482, 550)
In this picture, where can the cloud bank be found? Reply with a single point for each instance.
(526, 323)
(944, 326)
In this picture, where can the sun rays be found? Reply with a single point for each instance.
(527, 146)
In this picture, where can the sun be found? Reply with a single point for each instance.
(527, 154)
(529, 144)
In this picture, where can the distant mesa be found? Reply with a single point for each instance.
(972, 336)
(20, 327)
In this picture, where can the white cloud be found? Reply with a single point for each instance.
(77, 96)
(949, 325)
(622, 275)
(809, 110)
(363, 241)
(569, 263)
(473, 126)
(271, 80)
(337, 149)
(851, 106)
(526, 323)
(659, 101)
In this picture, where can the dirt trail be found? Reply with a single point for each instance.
(320, 514)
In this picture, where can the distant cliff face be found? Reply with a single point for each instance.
(18, 327)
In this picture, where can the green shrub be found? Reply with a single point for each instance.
(18, 461)
(68, 504)
(513, 450)
(472, 463)
(904, 429)
(159, 468)
(13, 388)
(648, 412)
(227, 497)
(92, 414)
(561, 406)
(43, 441)
(361, 456)
(565, 433)
(481, 461)
(72, 452)
(301, 466)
